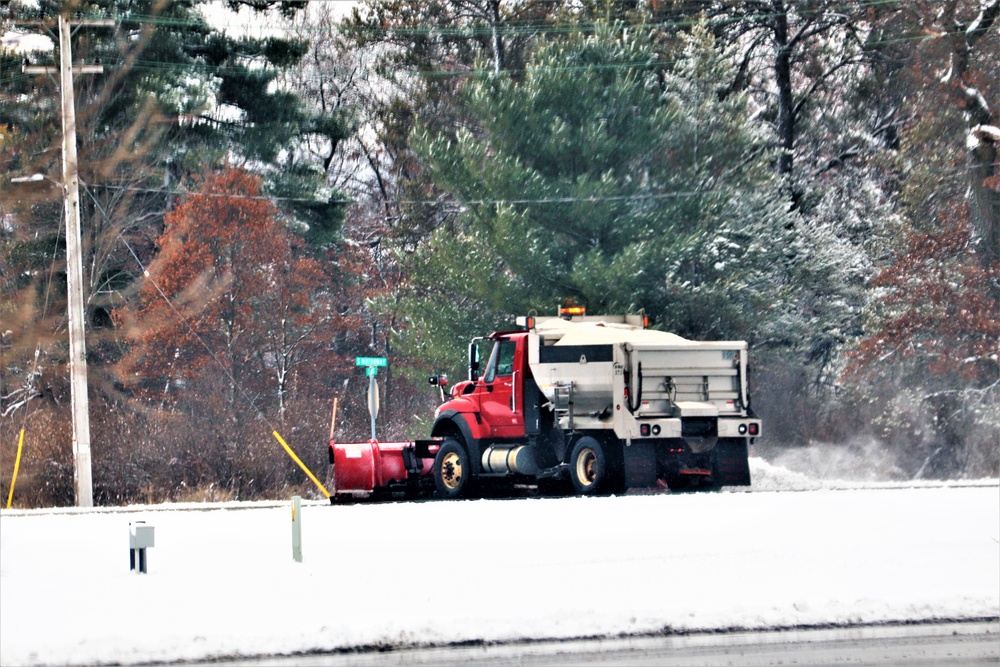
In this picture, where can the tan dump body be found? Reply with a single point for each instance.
(603, 364)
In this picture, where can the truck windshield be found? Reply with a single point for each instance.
(501, 360)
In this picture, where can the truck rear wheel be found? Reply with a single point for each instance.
(587, 466)
(451, 470)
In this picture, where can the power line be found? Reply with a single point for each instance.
(461, 71)
(506, 29)
(520, 201)
(508, 26)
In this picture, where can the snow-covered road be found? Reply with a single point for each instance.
(222, 582)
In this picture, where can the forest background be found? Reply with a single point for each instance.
(392, 177)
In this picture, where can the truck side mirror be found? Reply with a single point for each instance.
(438, 380)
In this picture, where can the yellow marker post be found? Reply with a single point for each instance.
(17, 464)
(301, 464)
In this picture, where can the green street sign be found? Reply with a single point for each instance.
(371, 362)
(371, 370)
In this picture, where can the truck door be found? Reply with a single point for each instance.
(501, 400)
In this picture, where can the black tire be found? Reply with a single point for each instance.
(588, 466)
(452, 471)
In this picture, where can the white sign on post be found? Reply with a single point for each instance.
(373, 398)
(372, 364)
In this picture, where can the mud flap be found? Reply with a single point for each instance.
(730, 463)
(640, 465)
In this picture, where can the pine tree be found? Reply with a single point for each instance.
(603, 177)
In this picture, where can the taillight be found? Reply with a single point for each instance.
(754, 429)
(644, 430)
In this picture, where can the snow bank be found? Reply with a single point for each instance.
(222, 581)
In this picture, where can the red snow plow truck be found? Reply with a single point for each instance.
(572, 404)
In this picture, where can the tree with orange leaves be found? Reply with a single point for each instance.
(229, 289)
(939, 311)
(931, 356)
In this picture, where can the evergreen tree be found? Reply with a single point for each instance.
(602, 177)
(155, 116)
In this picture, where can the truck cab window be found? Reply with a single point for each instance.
(501, 361)
(505, 358)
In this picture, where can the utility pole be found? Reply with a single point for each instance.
(82, 476)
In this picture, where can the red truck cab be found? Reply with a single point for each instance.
(491, 405)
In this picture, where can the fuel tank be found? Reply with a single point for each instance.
(505, 460)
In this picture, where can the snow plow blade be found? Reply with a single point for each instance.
(382, 469)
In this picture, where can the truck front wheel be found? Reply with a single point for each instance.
(451, 470)
(587, 466)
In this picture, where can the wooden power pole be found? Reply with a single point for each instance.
(82, 475)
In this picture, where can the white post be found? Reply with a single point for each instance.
(82, 478)
(373, 400)
(297, 528)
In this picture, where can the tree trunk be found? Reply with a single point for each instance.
(498, 47)
(985, 199)
(983, 133)
(786, 103)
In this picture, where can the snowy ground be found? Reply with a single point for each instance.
(222, 582)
